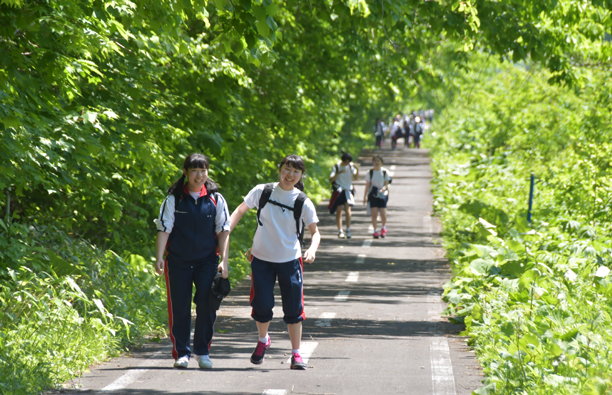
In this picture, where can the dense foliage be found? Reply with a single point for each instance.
(536, 298)
(101, 100)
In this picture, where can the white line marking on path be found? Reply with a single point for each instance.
(392, 167)
(131, 375)
(441, 367)
(274, 392)
(442, 375)
(367, 242)
(360, 259)
(306, 350)
(342, 296)
(325, 319)
(352, 277)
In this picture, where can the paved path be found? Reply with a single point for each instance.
(373, 316)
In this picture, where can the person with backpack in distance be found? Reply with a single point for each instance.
(418, 131)
(376, 194)
(342, 175)
(283, 210)
(395, 131)
(192, 228)
(379, 132)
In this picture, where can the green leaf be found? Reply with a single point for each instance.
(481, 267)
(263, 28)
(11, 122)
(507, 329)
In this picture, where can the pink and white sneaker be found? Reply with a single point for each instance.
(383, 233)
(376, 234)
(260, 351)
(297, 362)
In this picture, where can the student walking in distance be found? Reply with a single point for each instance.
(283, 211)
(193, 225)
(377, 194)
(379, 132)
(342, 175)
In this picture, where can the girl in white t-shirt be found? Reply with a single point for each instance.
(276, 252)
(376, 194)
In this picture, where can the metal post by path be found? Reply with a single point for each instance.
(530, 198)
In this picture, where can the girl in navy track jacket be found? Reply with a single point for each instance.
(193, 227)
(277, 253)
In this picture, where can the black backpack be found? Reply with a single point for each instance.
(297, 209)
(384, 174)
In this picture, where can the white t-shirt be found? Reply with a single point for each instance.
(393, 129)
(378, 178)
(277, 241)
(344, 180)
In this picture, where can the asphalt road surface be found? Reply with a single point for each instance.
(373, 316)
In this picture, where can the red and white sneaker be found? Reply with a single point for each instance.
(376, 234)
(297, 362)
(383, 233)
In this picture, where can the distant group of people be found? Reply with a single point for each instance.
(410, 126)
(375, 196)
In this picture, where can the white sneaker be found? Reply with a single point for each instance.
(341, 235)
(182, 362)
(204, 362)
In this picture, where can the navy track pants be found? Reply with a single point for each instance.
(290, 281)
(180, 278)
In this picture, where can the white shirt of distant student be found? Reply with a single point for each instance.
(394, 128)
(277, 241)
(378, 178)
(344, 180)
(165, 221)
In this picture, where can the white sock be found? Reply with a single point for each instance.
(375, 230)
(264, 340)
(384, 227)
(296, 350)
(347, 229)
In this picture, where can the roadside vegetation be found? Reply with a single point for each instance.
(535, 297)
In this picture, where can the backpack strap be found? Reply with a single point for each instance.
(297, 209)
(297, 215)
(336, 169)
(371, 174)
(263, 199)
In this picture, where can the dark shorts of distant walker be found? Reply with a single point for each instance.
(378, 203)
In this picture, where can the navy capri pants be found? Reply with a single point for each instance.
(290, 281)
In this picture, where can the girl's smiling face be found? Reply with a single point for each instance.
(289, 176)
(196, 178)
(377, 163)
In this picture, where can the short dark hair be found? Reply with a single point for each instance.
(379, 158)
(346, 157)
(297, 163)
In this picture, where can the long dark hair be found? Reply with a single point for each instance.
(297, 163)
(193, 161)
